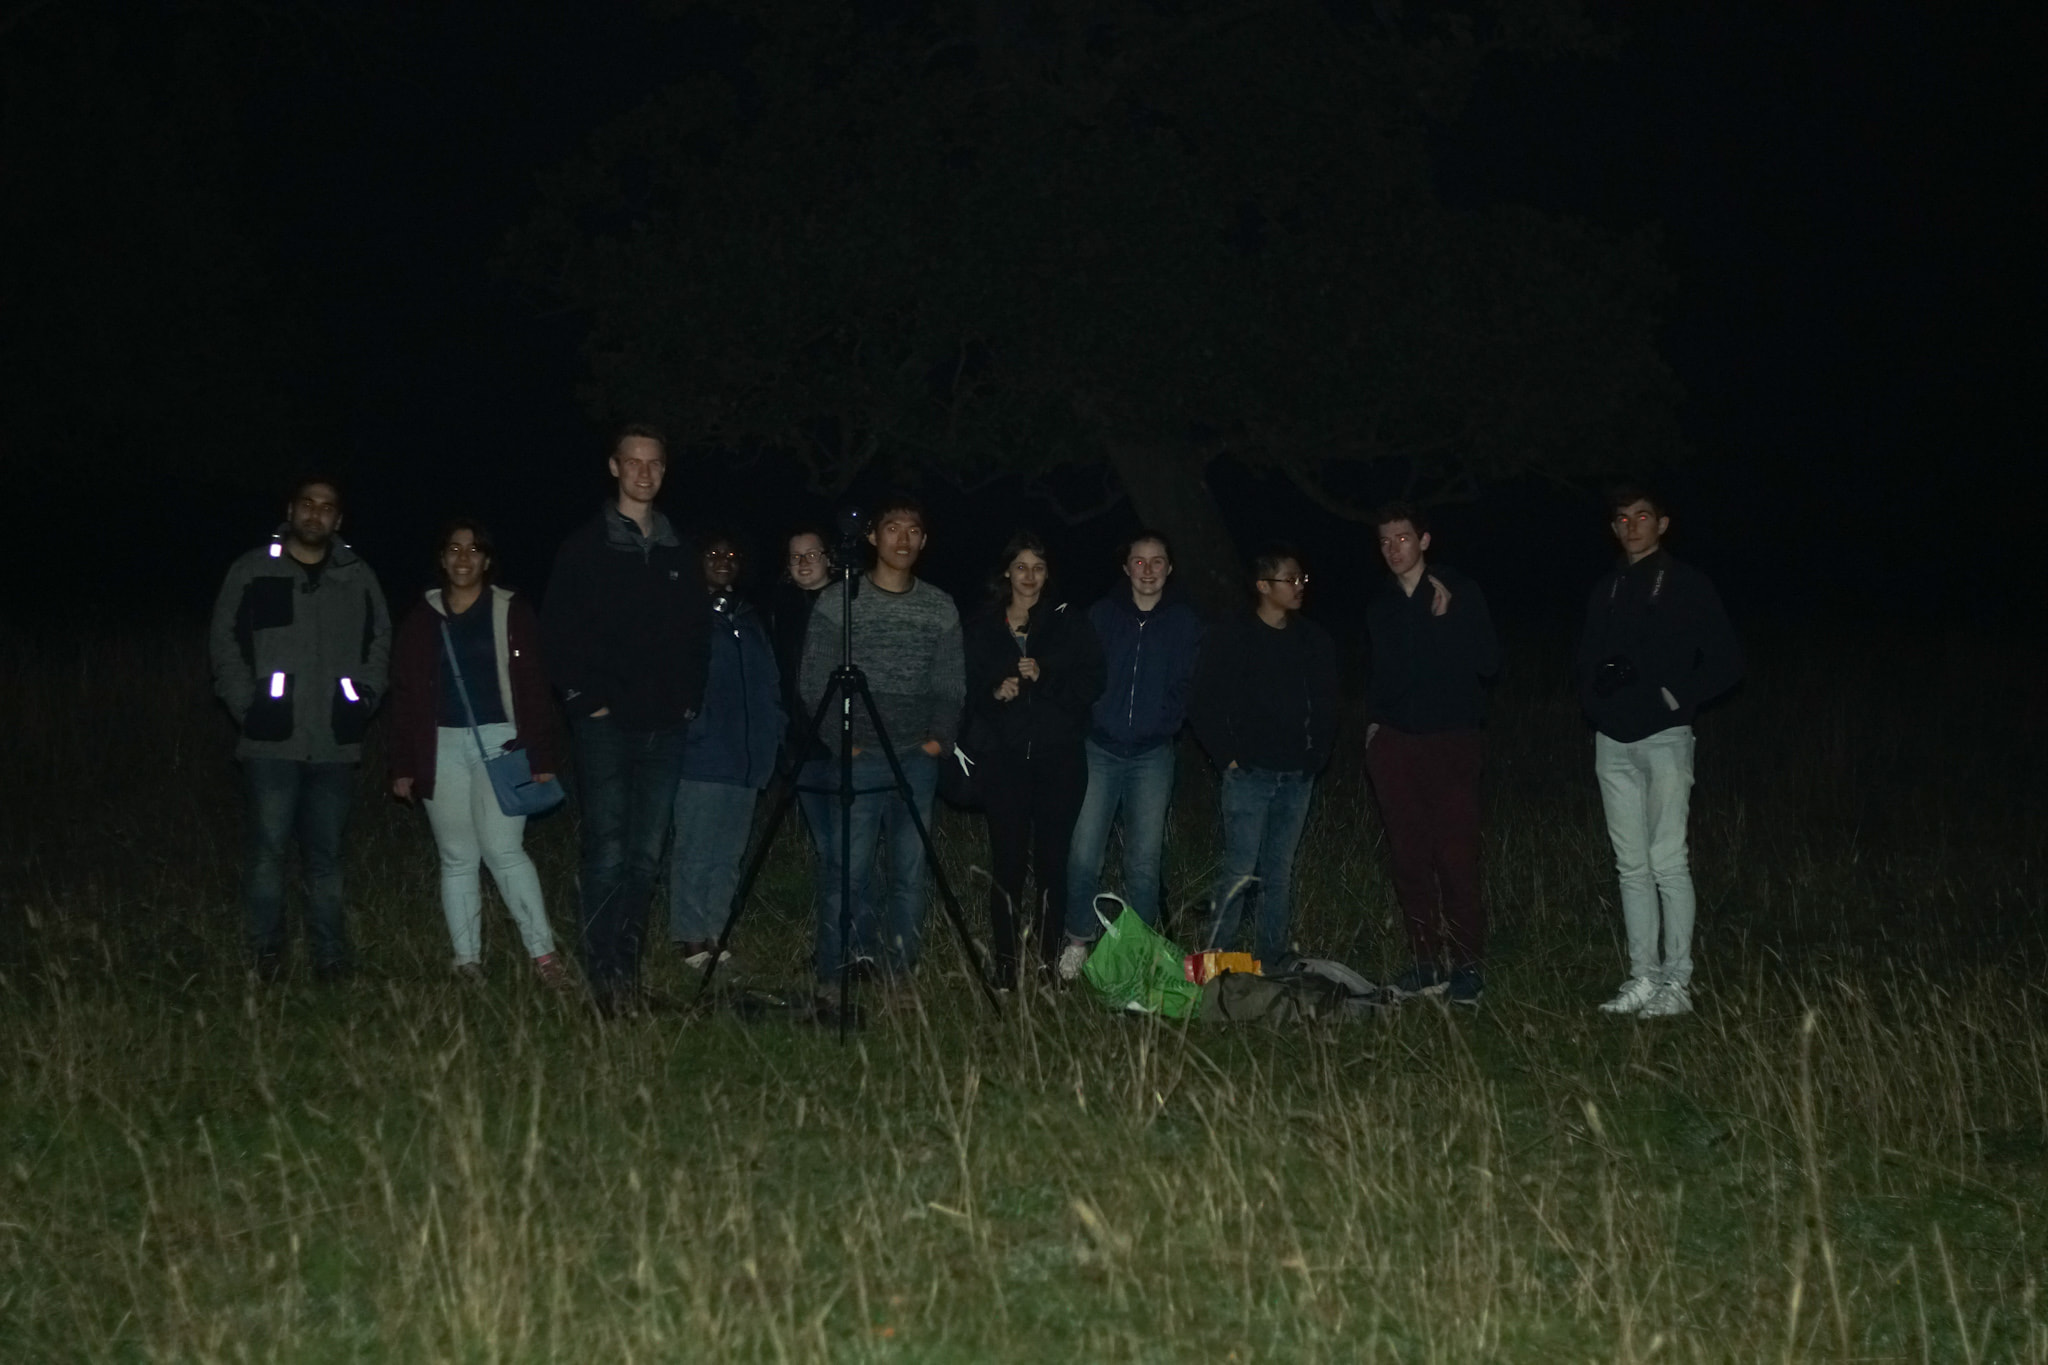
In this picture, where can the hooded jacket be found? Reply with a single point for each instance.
(300, 659)
(626, 622)
(1149, 671)
(1051, 711)
(1665, 620)
(734, 738)
(419, 672)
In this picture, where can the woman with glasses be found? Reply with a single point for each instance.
(489, 638)
(1033, 673)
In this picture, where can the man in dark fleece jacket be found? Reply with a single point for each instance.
(1656, 644)
(1266, 710)
(1432, 647)
(1150, 640)
(625, 629)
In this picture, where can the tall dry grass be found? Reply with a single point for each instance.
(1840, 1156)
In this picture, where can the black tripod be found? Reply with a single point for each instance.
(848, 683)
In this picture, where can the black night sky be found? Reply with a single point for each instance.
(245, 240)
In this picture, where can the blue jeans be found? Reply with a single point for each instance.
(1263, 812)
(626, 785)
(1143, 787)
(713, 820)
(285, 797)
(894, 938)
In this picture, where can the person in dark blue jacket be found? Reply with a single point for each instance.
(1149, 644)
(728, 757)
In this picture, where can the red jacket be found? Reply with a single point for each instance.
(416, 662)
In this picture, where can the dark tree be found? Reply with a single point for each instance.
(990, 239)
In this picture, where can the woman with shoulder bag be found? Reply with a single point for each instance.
(468, 687)
(1034, 670)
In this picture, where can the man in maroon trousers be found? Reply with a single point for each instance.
(1433, 647)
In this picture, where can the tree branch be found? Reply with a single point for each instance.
(1325, 499)
(1112, 494)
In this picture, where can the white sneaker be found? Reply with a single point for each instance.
(1633, 995)
(1668, 1001)
(1071, 959)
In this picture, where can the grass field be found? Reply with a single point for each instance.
(1841, 1156)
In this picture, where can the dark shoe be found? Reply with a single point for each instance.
(469, 973)
(1468, 983)
(269, 968)
(1423, 978)
(829, 1011)
(552, 972)
(618, 1001)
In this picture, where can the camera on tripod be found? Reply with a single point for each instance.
(850, 548)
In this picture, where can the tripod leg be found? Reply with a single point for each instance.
(780, 812)
(947, 899)
(755, 862)
(846, 800)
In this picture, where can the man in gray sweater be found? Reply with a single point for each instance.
(906, 639)
(301, 645)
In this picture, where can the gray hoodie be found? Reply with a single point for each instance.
(300, 659)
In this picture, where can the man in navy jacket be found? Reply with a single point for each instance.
(1432, 648)
(728, 757)
(1150, 641)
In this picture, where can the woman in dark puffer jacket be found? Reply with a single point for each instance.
(1033, 671)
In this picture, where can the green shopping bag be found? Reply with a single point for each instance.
(1135, 967)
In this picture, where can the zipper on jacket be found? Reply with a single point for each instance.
(1137, 657)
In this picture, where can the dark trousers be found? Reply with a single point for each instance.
(626, 789)
(1032, 802)
(288, 798)
(1428, 790)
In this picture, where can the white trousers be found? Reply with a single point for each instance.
(472, 831)
(1646, 788)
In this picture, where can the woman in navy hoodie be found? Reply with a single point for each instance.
(1033, 671)
(728, 757)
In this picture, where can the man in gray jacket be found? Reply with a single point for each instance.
(301, 644)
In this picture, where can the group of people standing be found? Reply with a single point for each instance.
(685, 699)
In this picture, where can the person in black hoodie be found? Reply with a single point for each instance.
(1265, 709)
(1033, 673)
(1432, 648)
(1656, 644)
(625, 629)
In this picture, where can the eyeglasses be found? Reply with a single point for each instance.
(1300, 582)
(806, 556)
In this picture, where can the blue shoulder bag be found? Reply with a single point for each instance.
(511, 772)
